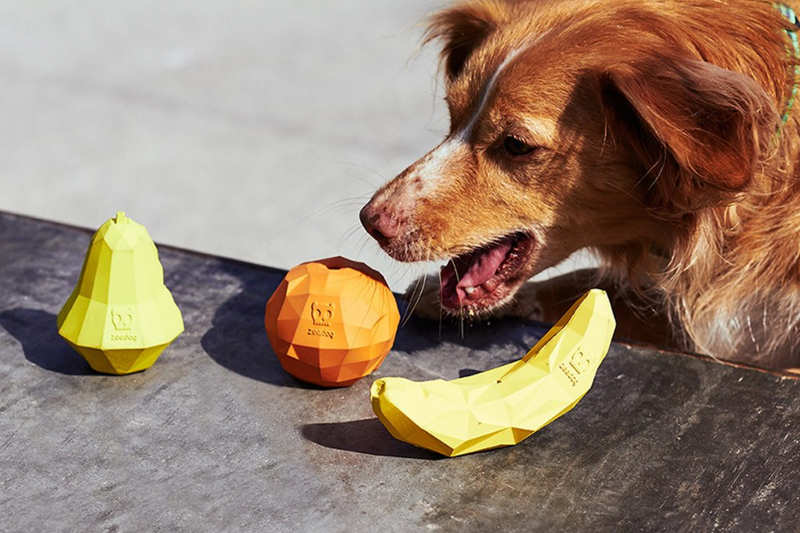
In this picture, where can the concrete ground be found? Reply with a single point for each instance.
(216, 437)
(254, 130)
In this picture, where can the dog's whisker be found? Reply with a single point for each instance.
(343, 205)
(441, 308)
(460, 305)
(348, 234)
(369, 169)
(420, 284)
(365, 241)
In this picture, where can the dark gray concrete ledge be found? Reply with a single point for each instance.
(216, 437)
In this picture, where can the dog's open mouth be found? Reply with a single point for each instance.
(483, 277)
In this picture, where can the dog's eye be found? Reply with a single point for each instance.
(517, 147)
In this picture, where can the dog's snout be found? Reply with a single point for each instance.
(381, 222)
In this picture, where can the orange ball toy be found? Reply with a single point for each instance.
(332, 322)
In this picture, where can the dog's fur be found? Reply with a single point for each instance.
(659, 147)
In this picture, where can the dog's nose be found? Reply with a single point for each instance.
(382, 223)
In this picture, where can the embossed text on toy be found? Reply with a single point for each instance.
(576, 365)
(322, 315)
(122, 320)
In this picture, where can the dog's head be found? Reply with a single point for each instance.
(570, 128)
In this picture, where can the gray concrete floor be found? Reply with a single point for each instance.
(217, 437)
(254, 130)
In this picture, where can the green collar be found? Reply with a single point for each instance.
(793, 51)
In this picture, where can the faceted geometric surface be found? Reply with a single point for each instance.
(120, 317)
(332, 322)
(503, 406)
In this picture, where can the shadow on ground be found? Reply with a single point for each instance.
(37, 333)
(508, 334)
(363, 436)
(237, 339)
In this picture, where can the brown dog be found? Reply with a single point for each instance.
(659, 134)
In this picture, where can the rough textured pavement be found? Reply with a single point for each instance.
(216, 437)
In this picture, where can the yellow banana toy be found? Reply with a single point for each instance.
(503, 406)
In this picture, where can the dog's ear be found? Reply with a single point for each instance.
(461, 29)
(705, 125)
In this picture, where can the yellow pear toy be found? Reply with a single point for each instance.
(121, 316)
(503, 406)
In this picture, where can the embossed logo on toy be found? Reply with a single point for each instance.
(322, 315)
(577, 365)
(580, 362)
(122, 319)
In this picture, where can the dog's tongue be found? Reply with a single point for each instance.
(471, 270)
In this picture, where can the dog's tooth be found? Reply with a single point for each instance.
(469, 290)
(490, 285)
